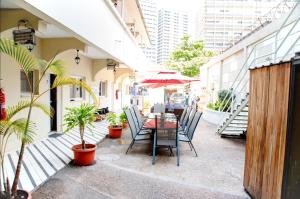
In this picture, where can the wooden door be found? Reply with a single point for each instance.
(267, 128)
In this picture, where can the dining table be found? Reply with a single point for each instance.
(165, 121)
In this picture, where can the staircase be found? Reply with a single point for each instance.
(234, 125)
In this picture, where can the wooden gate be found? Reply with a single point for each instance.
(267, 147)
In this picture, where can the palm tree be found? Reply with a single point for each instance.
(27, 63)
(11, 126)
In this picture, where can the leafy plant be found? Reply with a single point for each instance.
(189, 57)
(123, 118)
(24, 129)
(9, 126)
(225, 97)
(83, 117)
(113, 119)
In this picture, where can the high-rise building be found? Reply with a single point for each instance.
(150, 13)
(223, 22)
(172, 26)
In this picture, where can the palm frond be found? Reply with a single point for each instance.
(13, 110)
(25, 59)
(19, 127)
(56, 67)
(61, 81)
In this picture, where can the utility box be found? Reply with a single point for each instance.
(272, 164)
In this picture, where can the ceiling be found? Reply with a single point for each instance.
(48, 30)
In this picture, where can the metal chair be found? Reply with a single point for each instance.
(184, 129)
(182, 115)
(186, 119)
(188, 137)
(165, 137)
(134, 131)
(138, 116)
(140, 130)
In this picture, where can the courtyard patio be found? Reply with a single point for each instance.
(217, 172)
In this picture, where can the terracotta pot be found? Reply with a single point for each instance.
(23, 194)
(84, 157)
(115, 132)
(125, 125)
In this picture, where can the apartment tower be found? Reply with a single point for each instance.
(172, 26)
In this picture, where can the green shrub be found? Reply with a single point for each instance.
(222, 104)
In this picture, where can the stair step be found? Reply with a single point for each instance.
(238, 125)
(242, 117)
(226, 132)
(242, 122)
(235, 129)
(243, 113)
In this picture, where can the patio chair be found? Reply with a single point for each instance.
(188, 137)
(159, 108)
(165, 138)
(182, 115)
(184, 129)
(185, 119)
(138, 116)
(140, 130)
(134, 131)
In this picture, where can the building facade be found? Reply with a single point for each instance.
(101, 35)
(220, 23)
(150, 13)
(172, 26)
(230, 69)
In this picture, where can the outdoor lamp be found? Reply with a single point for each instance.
(25, 36)
(77, 58)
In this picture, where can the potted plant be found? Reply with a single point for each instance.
(9, 126)
(115, 127)
(27, 63)
(83, 118)
(123, 118)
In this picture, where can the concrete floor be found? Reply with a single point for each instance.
(216, 173)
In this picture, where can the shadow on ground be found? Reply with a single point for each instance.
(216, 173)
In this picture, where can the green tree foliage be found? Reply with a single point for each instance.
(189, 57)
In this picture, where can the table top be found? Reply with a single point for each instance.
(160, 115)
(164, 121)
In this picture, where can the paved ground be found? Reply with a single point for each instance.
(216, 173)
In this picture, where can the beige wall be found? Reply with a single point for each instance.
(11, 83)
(10, 73)
(106, 75)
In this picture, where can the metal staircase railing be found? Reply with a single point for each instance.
(284, 42)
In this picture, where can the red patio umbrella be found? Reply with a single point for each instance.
(168, 78)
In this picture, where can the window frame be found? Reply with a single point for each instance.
(34, 80)
(100, 86)
(73, 92)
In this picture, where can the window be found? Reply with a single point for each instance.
(102, 88)
(27, 85)
(76, 91)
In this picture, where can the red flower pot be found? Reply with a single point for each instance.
(23, 194)
(115, 132)
(84, 157)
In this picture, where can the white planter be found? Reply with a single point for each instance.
(215, 117)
